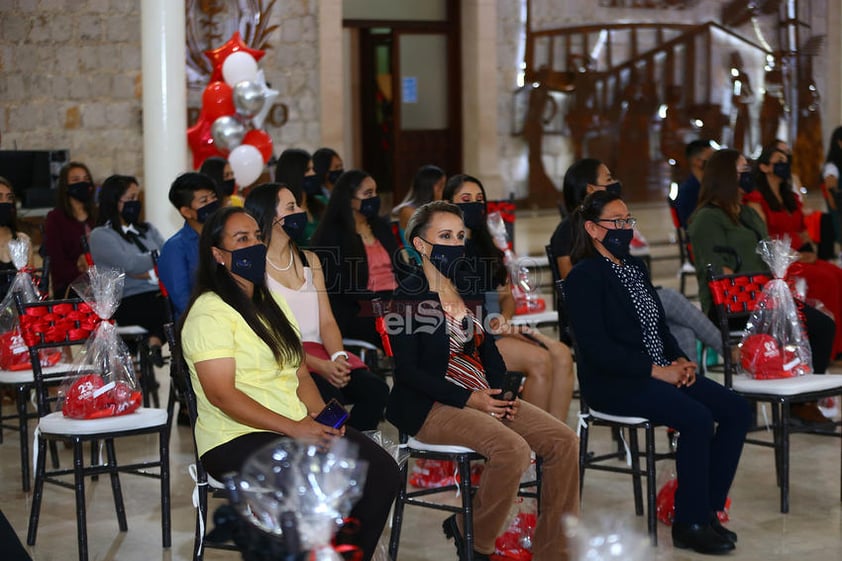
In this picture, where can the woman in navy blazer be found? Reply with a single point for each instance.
(629, 364)
(447, 378)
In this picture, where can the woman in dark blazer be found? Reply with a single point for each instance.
(360, 256)
(629, 364)
(447, 376)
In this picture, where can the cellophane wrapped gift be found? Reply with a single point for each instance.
(775, 343)
(523, 279)
(14, 352)
(301, 486)
(103, 382)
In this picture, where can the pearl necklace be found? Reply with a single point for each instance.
(281, 269)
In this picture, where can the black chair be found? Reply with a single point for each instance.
(462, 457)
(630, 449)
(54, 426)
(685, 251)
(184, 394)
(734, 297)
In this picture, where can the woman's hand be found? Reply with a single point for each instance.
(309, 430)
(484, 400)
(679, 373)
(337, 372)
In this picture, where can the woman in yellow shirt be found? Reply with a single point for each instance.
(245, 358)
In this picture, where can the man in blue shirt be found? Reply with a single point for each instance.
(697, 153)
(194, 195)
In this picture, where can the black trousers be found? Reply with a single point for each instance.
(372, 509)
(147, 310)
(366, 390)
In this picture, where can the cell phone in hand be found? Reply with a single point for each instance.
(511, 386)
(333, 415)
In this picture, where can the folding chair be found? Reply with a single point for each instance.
(180, 381)
(53, 426)
(734, 297)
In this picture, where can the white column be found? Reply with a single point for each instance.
(832, 116)
(331, 78)
(164, 107)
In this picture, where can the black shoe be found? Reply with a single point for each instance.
(155, 355)
(722, 530)
(183, 418)
(451, 530)
(701, 538)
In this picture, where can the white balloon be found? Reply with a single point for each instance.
(239, 66)
(247, 163)
(269, 96)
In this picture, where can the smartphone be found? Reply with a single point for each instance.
(511, 386)
(333, 415)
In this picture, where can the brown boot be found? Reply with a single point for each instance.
(808, 413)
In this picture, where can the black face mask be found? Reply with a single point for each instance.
(294, 225)
(473, 214)
(7, 212)
(617, 242)
(131, 212)
(782, 170)
(746, 181)
(228, 187)
(81, 191)
(204, 212)
(333, 176)
(249, 263)
(311, 185)
(370, 207)
(446, 258)
(616, 188)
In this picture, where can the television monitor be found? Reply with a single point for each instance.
(33, 174)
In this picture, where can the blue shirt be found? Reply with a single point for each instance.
(177, 266)
(687, 199)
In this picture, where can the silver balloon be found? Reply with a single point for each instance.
(248, 98)
(227, 133)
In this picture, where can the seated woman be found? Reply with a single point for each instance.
(122, 241)
(359, 254)
(446, 380)
(721, 221)
(547, 363)
(241, 345)
(780, 208)
(297, 275)
(73, 218)
(8, 232)
(685, 321)
(218, 169)
(295, 169)
(328, 166)
(629, 364)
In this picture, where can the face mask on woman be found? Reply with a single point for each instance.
(746, 181)
(294, 224)
(131, 212)
(617, 242)
(473, 214)
(782, 170)
(249, 263)
(446, 258)
(228, 187)
(80, 191)
(333, 176)
(370, 207)
(7, 211)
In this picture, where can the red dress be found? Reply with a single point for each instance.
(824, 279)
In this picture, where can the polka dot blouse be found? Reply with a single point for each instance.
(647, 310)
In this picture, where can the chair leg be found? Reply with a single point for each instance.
(201, 520)
(397, 515)
(166, 523)
(539, 474)
(583, 455)
(651, 490)
(634, 449)
(35, 512)
(776, 436)
(53, 453)
(467, 506)
(23, 430)
(116, 489)
(79, 485)
(95, 457)
(784, 459)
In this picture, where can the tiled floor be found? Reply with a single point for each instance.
(812, 529)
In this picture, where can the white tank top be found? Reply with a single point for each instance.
(304, 303)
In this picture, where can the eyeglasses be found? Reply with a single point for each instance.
(620, 223)
(470, 346)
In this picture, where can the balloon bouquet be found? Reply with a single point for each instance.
(235, 104)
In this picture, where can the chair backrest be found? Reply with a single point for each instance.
(180, 374)
(564, 332)
(56, 325)
(684, 249)
(734, 297)
(169, 309)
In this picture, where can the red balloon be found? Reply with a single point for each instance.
(218, 55)
(201, 141)
(260, 140)
(218, 101)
